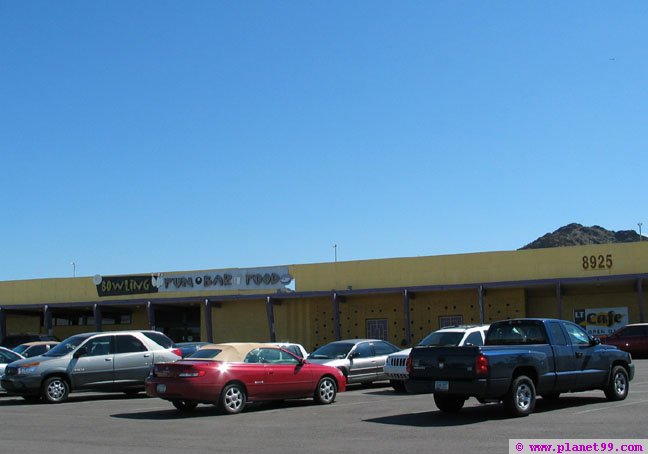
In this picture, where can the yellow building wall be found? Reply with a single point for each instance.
(357, 310)
(564, 262)
(240, 321)
(427, 308)
(18, 323)
(600, 297)
(500, 304)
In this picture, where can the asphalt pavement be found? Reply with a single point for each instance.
(364, 419)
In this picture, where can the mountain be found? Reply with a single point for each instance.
(576, 234)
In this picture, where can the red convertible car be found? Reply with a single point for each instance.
(229, 375)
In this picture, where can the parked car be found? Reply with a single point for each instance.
(521, 358)
(232, 374)
(104, 361)
(187, 348)
(37, 348)
(458, 335)
(360, 360)
(296, 349)
(7, 356)
(631, 338)
(13, 340)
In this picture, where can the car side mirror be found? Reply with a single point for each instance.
(595, 341)
(81, 352)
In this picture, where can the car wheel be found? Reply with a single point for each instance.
(398, 385)
(617, 388)
(449, 404)
(55, 390)
(232, 398)
(521, 397)
(184, 406)
(326, 391)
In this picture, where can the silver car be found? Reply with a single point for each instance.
(104, 361)
(360, 360)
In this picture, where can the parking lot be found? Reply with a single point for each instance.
(364, 419)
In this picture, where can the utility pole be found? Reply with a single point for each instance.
(639, 224)
(335, 251)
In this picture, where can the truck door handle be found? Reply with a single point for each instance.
(579, 355)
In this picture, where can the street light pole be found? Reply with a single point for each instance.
(73, 269)
(639, 224)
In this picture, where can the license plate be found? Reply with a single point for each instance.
(442, 385)
(160, 388)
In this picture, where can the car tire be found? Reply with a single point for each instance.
(55, 390)
(184, 406)
(521, 397)
(618, 386)
(449, 404)
(398, 385)
(232, 399)
(326, 391)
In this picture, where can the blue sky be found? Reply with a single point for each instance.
(156, 136)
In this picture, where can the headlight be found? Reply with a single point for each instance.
(28, 368)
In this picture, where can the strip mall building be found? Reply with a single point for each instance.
(601, 287)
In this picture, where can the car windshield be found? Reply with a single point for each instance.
(69, 344)
(20, 349)
(438, 339)
(332, 351)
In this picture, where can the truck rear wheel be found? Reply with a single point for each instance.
(617, 388)
(449, 404)
(521, 397)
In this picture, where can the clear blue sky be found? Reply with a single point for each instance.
(156, 136)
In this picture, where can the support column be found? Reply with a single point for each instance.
(641, 301)
(407, 319)
(481, 304)
(271, 321)
(3, 323)
(47, 320)
(336, 316)
(559, 300)
(97, 316)
(150, 313)
(208, 321)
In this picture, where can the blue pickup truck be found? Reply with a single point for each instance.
(521, 358)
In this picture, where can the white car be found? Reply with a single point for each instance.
(296, 349)
(7, 356)
(458, 335)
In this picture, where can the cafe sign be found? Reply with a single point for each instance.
(601, 321)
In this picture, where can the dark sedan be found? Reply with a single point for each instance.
(632, 339)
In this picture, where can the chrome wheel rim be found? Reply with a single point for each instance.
(56, 390)
(619, 383)
(523, 396)
(326, 390)
(233, 398)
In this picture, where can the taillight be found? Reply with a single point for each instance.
(177, 352)
(408, 365)
(481, 365)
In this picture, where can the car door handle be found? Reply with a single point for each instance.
(579, 355)
(108, 359)
(146, 355)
